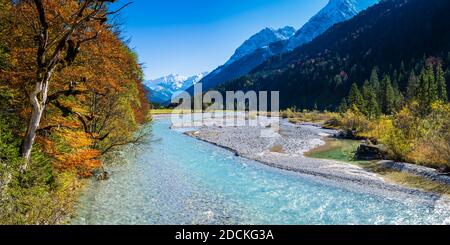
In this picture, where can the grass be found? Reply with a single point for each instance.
(316, 117)
(343, 151)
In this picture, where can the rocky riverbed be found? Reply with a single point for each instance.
(283, 146)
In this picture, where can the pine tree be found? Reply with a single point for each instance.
(375, 83)
(371, 106)
(343, 107)
(355, 98)
(413, 84)
(422, 89)
(398, 98)
(389, 96)
(442, 84)
(427, 92)
(433, 88)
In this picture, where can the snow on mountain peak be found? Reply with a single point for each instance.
(262, 39)
(162, 89)
(334, 12)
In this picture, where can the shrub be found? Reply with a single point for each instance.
(355, 122)
(287, 114)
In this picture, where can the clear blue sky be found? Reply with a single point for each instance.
(187, 37)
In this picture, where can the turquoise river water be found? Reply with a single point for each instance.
(179, 180)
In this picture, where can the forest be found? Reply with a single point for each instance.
(70, 97)
(394, 36)
(386, 72)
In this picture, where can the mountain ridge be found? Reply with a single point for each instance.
(235, 68)
(162, 89)
(385, 37)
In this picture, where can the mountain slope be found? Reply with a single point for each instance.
(394, 36)
(243, 62)
(162, 89)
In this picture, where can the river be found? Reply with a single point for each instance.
(178, 180)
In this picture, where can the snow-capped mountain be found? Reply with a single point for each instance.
(334, 12)
(270, 42)
(162, 89)
(261, 40)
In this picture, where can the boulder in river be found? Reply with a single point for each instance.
(370, 152)
(101, 175)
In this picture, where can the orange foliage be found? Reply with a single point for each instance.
(95, 103)
(84, 161)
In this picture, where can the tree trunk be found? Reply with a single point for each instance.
(31, 132)
(38, 99)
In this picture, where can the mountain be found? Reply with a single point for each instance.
(261, 40)
(162, 89)
(230, 70)
(335, 11)
(397, 37)
(269, 42)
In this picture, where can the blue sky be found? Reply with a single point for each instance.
(187, 37)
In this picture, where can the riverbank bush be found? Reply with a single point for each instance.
(408, 135)
(306, 116)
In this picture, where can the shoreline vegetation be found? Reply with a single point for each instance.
(344, 151)
(362, 131)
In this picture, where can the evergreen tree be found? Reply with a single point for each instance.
(422, 90)
(398, 97)
(427, 92)
(375, 83)
(413, 84)
(371, 107)
(433, 88)
(355, 98)
(388, 96)
(343, 107)
(442, 84)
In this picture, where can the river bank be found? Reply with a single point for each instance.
(286, 151)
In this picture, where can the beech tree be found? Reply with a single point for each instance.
(59, 36)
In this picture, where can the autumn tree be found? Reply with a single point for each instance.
(60, 31)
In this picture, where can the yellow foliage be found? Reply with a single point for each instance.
(76, 139)
(411, 137)
(355, 121)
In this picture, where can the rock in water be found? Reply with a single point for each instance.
(369, 152)
(102, 175)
